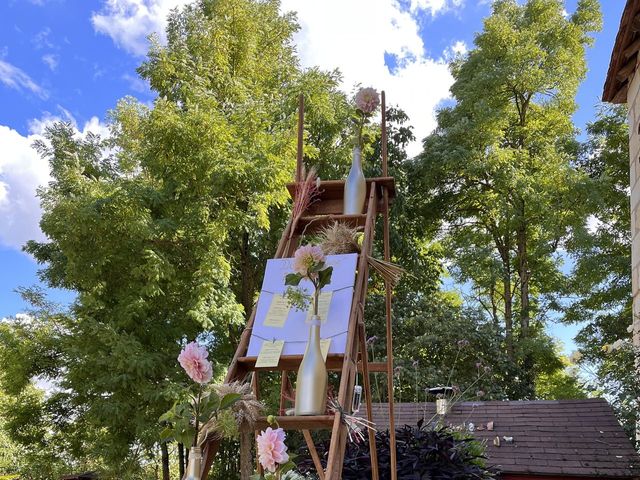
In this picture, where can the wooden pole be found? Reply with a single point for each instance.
(373, 450)
(284, 386)
(300, 138)
(387, 285)
(385, 167)
(314, 453)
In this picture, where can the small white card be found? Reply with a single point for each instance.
(278, 311)
(270, 352)
(324, 302)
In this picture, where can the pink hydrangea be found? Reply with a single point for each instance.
(306, 257)
(194, 361)
(367, 99)
(271, 449)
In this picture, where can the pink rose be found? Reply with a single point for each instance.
(367, 100)
(306, 257)
(194, 361)
(271, 449)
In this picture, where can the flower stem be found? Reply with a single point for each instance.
(195, 437)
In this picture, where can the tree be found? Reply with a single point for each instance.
(498, 174)
(144, 225)
(601, 277)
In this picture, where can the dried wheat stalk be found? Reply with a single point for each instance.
(339, 238)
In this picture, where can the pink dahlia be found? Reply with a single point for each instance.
(271, 449)
(367, 100)
(306, 257)
(194, 361)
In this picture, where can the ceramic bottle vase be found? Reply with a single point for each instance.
(355, 187)
(194, 466)
(311, 384)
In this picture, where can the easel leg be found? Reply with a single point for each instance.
(373, 451)
(314, 453)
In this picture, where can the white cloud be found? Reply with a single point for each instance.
(136, 83)
(42, 40)
(330, 38)
(129, 22)
(435, 6)
(22, 171)
(15, 78)
(51, 60)
(352, 36)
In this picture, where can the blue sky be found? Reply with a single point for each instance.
(73, 60)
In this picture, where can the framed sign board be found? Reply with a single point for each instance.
(275, 320)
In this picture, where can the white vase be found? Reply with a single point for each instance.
(311, 384)
(355, 186)
(194, 467)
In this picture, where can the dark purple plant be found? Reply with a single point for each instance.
(424, 453)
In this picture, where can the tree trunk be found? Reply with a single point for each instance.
(165, 461)
(504, 247)
(508, 311)
(525, 314)
(181, 464)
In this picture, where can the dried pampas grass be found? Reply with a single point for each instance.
(339, 238)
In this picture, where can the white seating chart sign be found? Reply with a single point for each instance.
(276, 321)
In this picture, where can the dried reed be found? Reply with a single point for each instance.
(307, 193)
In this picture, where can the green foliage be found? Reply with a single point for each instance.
(497, 174)
(562, 384)
(153, 227)
(196, 410)
(601, 276)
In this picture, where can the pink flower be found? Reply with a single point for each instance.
(271, 449)
(194, 361)
(306, 257)
(367, 100)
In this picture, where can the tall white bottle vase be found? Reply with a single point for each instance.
(355, 187)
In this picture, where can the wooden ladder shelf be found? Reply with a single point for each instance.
(324, 211)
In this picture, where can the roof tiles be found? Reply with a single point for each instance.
(550, 437)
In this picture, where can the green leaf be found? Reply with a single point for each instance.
(292, 279)
(168, 416)
(229, 399)
(166, 433)
(324, 277)
(209, 404)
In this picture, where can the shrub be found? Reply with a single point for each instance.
(424, 452)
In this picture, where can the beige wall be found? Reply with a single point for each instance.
(633, 101)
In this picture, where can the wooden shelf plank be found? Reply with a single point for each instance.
(314, 223)
(334, 189)
(291, 363)
(311, 422)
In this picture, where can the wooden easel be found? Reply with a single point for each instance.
(326, 210)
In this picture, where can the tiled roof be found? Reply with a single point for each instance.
(622, 65)
(549, 437)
